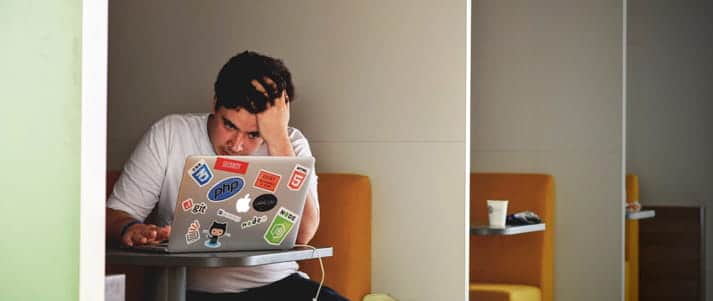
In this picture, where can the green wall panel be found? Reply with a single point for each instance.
(40, 109)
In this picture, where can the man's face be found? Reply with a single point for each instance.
(234, 132)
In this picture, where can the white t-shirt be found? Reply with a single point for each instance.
(152, 175)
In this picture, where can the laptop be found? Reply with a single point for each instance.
(238, 203)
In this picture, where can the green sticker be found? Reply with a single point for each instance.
(281, 225)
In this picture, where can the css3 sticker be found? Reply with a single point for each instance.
(200, 173)
(281, 225)
(225, 189)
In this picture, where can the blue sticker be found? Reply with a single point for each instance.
(225, 189)
(200, 173)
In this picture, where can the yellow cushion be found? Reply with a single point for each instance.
(504, 292)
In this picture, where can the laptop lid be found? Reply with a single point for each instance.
(236, 203)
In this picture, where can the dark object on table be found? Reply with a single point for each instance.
(523, 218)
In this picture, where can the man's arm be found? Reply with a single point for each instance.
(135, 234)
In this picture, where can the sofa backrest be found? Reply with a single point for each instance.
(526, 259)
(345, 224)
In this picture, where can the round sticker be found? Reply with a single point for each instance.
(265, 202)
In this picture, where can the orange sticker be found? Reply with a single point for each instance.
(267, 181)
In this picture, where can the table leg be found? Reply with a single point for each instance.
(170, 284)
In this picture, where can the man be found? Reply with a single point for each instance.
(250, 117)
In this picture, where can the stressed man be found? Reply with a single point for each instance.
(250, 116)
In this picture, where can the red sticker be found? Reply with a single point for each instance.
(299, 174)
(231, 165)
(187, 204)
(267, 181)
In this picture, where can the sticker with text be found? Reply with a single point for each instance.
(216, 231)
(187, 204)
(281, 225)
(243, 204)
(230, 165)
(193, 234)
(298, 177)
(253, 221)
(265, 202)
(199, 208)
(267, 181)
(201, 173)
(229, 215)
(225, 189)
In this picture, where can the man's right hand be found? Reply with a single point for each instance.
(143, 234)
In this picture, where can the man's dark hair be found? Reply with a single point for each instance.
(233, 88)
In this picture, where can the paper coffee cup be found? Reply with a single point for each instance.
(497, 211)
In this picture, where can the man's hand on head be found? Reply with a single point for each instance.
(144, 234)
(273, 122)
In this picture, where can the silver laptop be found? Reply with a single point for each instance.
(238, 203)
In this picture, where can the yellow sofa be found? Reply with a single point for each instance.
(512, 267)
(345, 224)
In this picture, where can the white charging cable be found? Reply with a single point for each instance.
(321, 266)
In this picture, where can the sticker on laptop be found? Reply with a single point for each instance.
(298, 177)
(225, 189)
(199, 208)
(193, 234)
(201, 173)
(256, 220)
(187, 204)
(267, 181)
(281, 225)
(243, 204)
(228, 215)
(265, 202)
(215, 232)
(234, 166)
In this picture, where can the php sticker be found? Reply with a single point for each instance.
(281, 225)
(225, 189)
(253, 221)
(187, 204)
(265, 202)
(234, 166)
(267, 180)
(193, 234)
(216, 231)
(228, 215)
(243, 204)
(298, 177)
(200, 173)
(199, 208)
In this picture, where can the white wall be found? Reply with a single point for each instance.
(670, 102)
(547, 98)
(381, 91)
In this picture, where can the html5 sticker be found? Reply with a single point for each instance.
(229, 165)
(200, 173)
(267, 181)
(298, 177)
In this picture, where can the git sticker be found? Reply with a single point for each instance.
(199, 208)
(267, 181)
(234, 166)
(193, 234)
(200, 173)
(281, 225)
(187, 204)
(298, 177)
